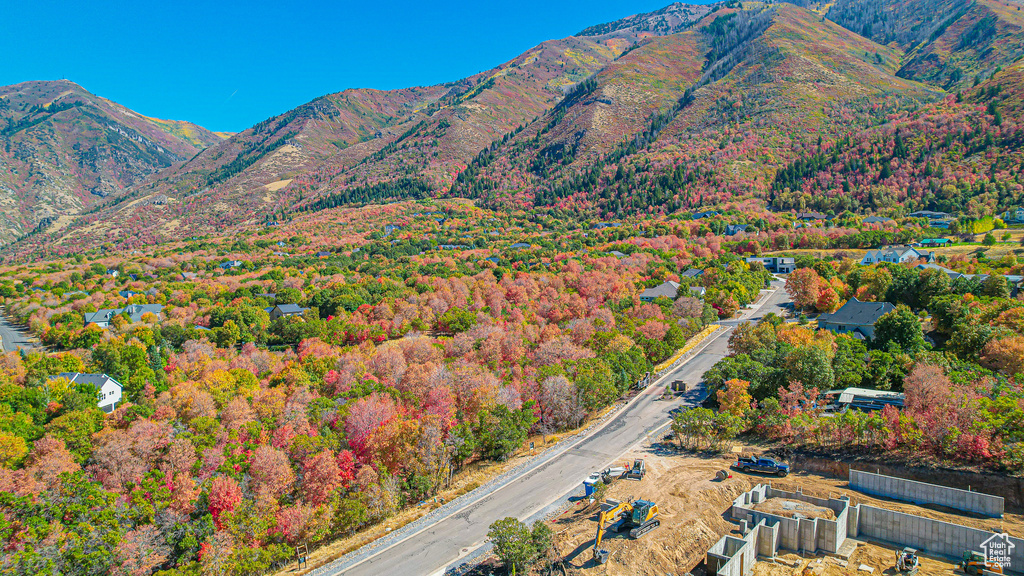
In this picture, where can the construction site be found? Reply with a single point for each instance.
(698, 515)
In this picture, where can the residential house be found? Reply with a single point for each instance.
(617, 254)
(323, 254)
(692, 273)
(520, 245)
(931, 215)
(230, 264)
(390, 229)
(935, 242)
(602, 225)
(702, 215)
(877, 220)
(110, 390)
(1014, 215)
(135, 312)
(186, 276)
(267, 295)
(665, 290)
(114, 273)
(856, 318)
(698, 291)
(953, 275)
(284, 310)
(810, 216)
(775, 265)
(896, 255)
(865, 399)
(734, 229)
(126, 293)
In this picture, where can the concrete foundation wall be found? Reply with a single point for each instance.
(732, 556)
(923, 493)
(799, 534)
(929, 536)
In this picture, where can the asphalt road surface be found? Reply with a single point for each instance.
(441, 544)
(11, 338)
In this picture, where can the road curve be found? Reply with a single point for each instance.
(442, 543)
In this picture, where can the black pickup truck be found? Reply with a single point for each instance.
(763, 465)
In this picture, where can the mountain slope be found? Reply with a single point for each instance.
(420, 137)
(63, 149)
(949, 43)
(762, 81)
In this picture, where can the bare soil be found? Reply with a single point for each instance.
(693, 511)
(789, 508)
(878, 558)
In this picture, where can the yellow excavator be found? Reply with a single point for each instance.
(639, 517)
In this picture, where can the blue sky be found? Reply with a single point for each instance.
(228, 65)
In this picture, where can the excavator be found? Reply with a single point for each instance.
(640, 517)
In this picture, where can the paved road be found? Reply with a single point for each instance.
(11, 338)
(441, 544)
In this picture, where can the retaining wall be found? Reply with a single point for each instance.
(924, 493)
(930, 536)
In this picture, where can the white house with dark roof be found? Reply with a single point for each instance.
(856, 318)
(896, 255)
(110, 390)
(668, 290)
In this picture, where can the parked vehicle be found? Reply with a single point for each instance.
(763, 465)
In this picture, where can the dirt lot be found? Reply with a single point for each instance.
(789, 508)
(693, 509)
(879, 558)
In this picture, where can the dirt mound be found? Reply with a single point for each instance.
(790, 508)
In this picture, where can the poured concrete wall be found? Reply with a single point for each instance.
(929, 536)
(923, 493)
(800, 534)
(732, 556)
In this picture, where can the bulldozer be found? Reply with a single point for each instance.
(974, 564)
(907, 562)
(638, 516)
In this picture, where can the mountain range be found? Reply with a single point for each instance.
(688, 106)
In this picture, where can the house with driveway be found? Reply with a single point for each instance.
(855, 318)
(775, 265)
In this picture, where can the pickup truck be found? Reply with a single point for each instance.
(763, 465)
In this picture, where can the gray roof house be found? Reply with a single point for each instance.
(110, 390)
(102, 318)
(665, 290)
(877, 220)
(856, 318)
(282, 310)
(230, 264)
(734, 229)
(896, 255)
(930, 215)
(692, 273)
(953, 274)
